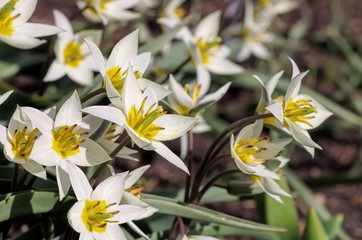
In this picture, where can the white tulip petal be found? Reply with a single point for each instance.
(63, 182)
(108, 113)
(203, 78)
(37, 30)
(128, 213)
(277, 110)
(244, 53)
(82, 75)
(110, 189)
(208, 28)
(223, 66)
(260, 51)
(55, 71)
(134, 175)
(319, 117)
(274, 188)
(138, 140)
(216, 96)
(22, 41)
(3, 134)
(272, 83)
(69, 113)
(24, 10)
(75, 217)
(39, 119)
(62, 22)
(35, 169)
(296, 70)
(79, 181)
(294, 86)
(179, 93)
(95, 154)
(43, 153)
(141, 62)
(5, 96)
(166, 153)
(174, 126)
(137, 230)
(132, 94)
(301, 136)
(98, 56)
(113, 232)
(158, 89)
(124, 51)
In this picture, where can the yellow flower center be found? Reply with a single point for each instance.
(142, 121)
(208, 48)
(255, 178)
(246, 151)
(73, 54)
(103, 4)
(117, 77)
(194, 93)
(66, 142)
(95, 216)
(111, 134)
(136, 191)
(252, 36)
(179, 12)
(300, 111)
(6, 20)
(23, 142)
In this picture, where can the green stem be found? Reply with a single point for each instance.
(99, 171)
(92, 94)
(22, 180)
(15, 177)
(217, 145)
(212, 181)
(189, 159)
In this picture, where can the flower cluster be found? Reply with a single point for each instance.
(75, 141)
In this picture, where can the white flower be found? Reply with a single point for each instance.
(18, 140)
(98, 213)
(207, 51)
(65, 140)
(105, 134)
(145, 121)
(269, 186)
(172, 15)
(294, 113)
(73, 57)
(114, 70)
(108, 10)
(191, 99)
(5, 96)
(14, 29)
(255, 35)
(267, 10)
(250, 151)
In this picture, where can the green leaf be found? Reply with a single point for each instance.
(32, 202)
(7, 69)
(176, 208)
(333, 226)
(306, 195)
(282, 215)
(314, 228)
